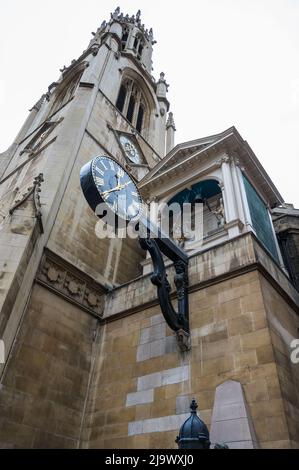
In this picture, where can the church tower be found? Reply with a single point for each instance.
(105, 102)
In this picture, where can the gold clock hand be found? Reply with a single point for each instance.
(126, 184)
(117, 188)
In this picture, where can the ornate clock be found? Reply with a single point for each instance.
(103, 180)
(130, 149)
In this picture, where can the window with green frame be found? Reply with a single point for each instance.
(260, 219)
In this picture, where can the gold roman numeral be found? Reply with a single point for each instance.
(120, 173)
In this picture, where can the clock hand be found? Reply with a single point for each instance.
(117, 188)
(126, 184)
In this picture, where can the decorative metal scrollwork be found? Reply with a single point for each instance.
(178, 321)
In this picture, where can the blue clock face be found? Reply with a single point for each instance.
(116, 188)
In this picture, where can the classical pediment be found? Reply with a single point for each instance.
(182, 152)
(188, 154)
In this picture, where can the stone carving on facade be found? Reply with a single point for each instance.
(183, 340)
(225, 159)
(219, 213)
(34, 146)
(39, 103)
(74, 286)
(185, 237)
(170, 121)
(115, 14)
(34, 191)
(236, 160)
(162, 79)
(221, 186)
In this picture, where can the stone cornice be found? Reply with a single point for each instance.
(256, 258)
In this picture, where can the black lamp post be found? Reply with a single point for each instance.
(193, 434)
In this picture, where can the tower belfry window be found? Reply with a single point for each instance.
(121, 98)
(138, 45)
(124, 38)
(140, 49)
(131, 108)
(140, 118)
(131, 103)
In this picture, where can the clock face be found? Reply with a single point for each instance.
(130, 149)
(116, 188)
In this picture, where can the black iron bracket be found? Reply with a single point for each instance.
(157, 246)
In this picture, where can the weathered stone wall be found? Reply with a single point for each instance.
(142, 385)
(283, 324)
(45, 383)
(121, 382)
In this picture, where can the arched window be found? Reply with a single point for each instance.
(131, 108)
(121, 98)
(124, 38)
(140, 118)
(138, 45)
(131, 103)
(209, 194)
(67, 88)
(140, 49)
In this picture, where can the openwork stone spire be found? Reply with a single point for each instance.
(170, 121)
(117, 15)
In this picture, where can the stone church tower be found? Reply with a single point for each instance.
(89, 359)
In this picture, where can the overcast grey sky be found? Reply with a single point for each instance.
(228, 62)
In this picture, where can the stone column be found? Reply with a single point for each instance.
(162, 88)
(132, 34)
(229, 199)
(248, 221)
(238, 194)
